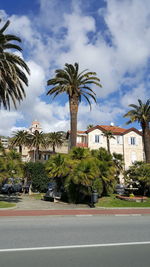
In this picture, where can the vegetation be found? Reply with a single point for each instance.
(12, 69)
(90, 126)
(141, 114)
(4, 205)
(81, 171)
(35, 172)
(10, 165)
(109, 135)
(36, 140)
(113, 202)
(20, 138)
(54, 139)
(139, 175)
(76, 85)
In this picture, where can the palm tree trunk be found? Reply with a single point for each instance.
(54, 149)
(146, 141)
(20, 149)
(108, 145)
(73, 102)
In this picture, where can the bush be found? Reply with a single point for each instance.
(36, 173)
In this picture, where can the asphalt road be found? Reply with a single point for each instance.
(75, 241)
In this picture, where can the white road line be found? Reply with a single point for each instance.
(83, 215)
(120, 215)
(76, 246)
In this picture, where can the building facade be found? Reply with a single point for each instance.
(127, 142)
(28, 154)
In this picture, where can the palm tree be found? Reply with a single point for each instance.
(119, 164)
(79, 153)
(90, 126)
(75, 85)
(37, 139)
(54, 139)
(12, 67)
(141, 114)
(20, 138)
(108, 135)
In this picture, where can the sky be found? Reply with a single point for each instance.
(110, 37)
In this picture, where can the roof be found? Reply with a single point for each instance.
(114, 129)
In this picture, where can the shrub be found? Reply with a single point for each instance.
(36, 173)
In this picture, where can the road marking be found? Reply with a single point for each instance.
(76, 246)
(84, 215)
(120, 215)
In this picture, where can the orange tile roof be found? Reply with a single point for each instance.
(113, 129)
(81, 132)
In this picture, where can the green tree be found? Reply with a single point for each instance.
(76, 85)
(79, 153)
(57, 169)
(139, 172)
(35, 173)
(20, 138)
(83, 179)
(36, 140)
(141, 114)
(107, 170)
(54, 139)
(12, 70)
(109, 135)
(90, 126)
(13, 163)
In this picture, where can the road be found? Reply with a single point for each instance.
(75, 241)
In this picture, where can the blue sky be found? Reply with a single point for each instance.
(110, 37)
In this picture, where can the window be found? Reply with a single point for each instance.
(133, 157)
(97, 138)
(132, 140)
(119, 140)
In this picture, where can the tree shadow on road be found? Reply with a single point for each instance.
(11, 199)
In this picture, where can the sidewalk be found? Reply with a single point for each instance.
(28, 206)
(79, 212)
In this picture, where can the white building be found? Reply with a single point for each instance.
(127, 142)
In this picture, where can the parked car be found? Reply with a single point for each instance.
(11, 188)
(52, 192)
(120, 189)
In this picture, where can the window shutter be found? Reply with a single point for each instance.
(136, 141)
(129, 140)
(121, 140)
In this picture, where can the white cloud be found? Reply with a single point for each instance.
(8, 120)
(133, 95)
(66, 34)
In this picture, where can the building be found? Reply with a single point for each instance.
(5, 142)
(127, 142)
(28, 154)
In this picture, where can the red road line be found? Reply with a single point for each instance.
(74, 212)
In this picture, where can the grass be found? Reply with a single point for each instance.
(38, 196)
(113, 202)
(6, 205)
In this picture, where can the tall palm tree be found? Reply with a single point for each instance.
(141, 114)
(37, 139)
(54, 139)
(20, 138)
(12, 67)
(76, 85)
(108, 135)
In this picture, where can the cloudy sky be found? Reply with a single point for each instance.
(111, 37)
